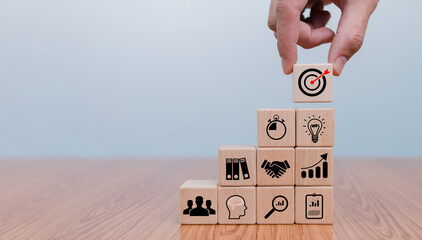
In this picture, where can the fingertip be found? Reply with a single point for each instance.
(339, 65)
(287, 67)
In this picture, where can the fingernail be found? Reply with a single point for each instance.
(284, 65)
(339, 64)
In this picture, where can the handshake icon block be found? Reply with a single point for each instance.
(275, 169)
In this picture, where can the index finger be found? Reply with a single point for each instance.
(288, 14)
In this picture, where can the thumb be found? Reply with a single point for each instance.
(350, 33)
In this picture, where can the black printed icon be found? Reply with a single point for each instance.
(233, 171)
(280, 204)
(275, 169)
(314, 127)
(312, 82)
(276, 129)
(199, 210)
(317, 168)
(314, 204)
(210, 210)
(237, 206)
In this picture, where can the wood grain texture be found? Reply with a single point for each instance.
(139, 199)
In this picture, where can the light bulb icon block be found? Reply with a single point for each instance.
(315, 127)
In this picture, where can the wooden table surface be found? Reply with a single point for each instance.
(139, 199)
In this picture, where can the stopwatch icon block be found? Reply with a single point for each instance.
(312, 83)
(276, 127)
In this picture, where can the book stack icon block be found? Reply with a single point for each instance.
(288, 178)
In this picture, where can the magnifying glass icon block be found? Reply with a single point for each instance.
(280, 204)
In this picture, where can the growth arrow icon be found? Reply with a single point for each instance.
(323, 157)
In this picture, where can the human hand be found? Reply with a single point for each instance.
(291, 29)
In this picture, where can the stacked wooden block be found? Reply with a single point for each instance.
(288, 178)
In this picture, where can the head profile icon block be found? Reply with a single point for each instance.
(236, 205)
(198, 202)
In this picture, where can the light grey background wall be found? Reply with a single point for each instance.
(127, 78)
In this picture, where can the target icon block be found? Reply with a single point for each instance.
(312, 82)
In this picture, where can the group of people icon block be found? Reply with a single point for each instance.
(199, 210)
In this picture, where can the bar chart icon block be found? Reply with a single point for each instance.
(237, 165)
(314, 166)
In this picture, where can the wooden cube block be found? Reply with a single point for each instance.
(314, 166)
(275, 167)
(275, 205)
(314, 127)
(314, 205)
(237, 165)
(236, 205)
(276, 128)
(198, 202)
(312, 82)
